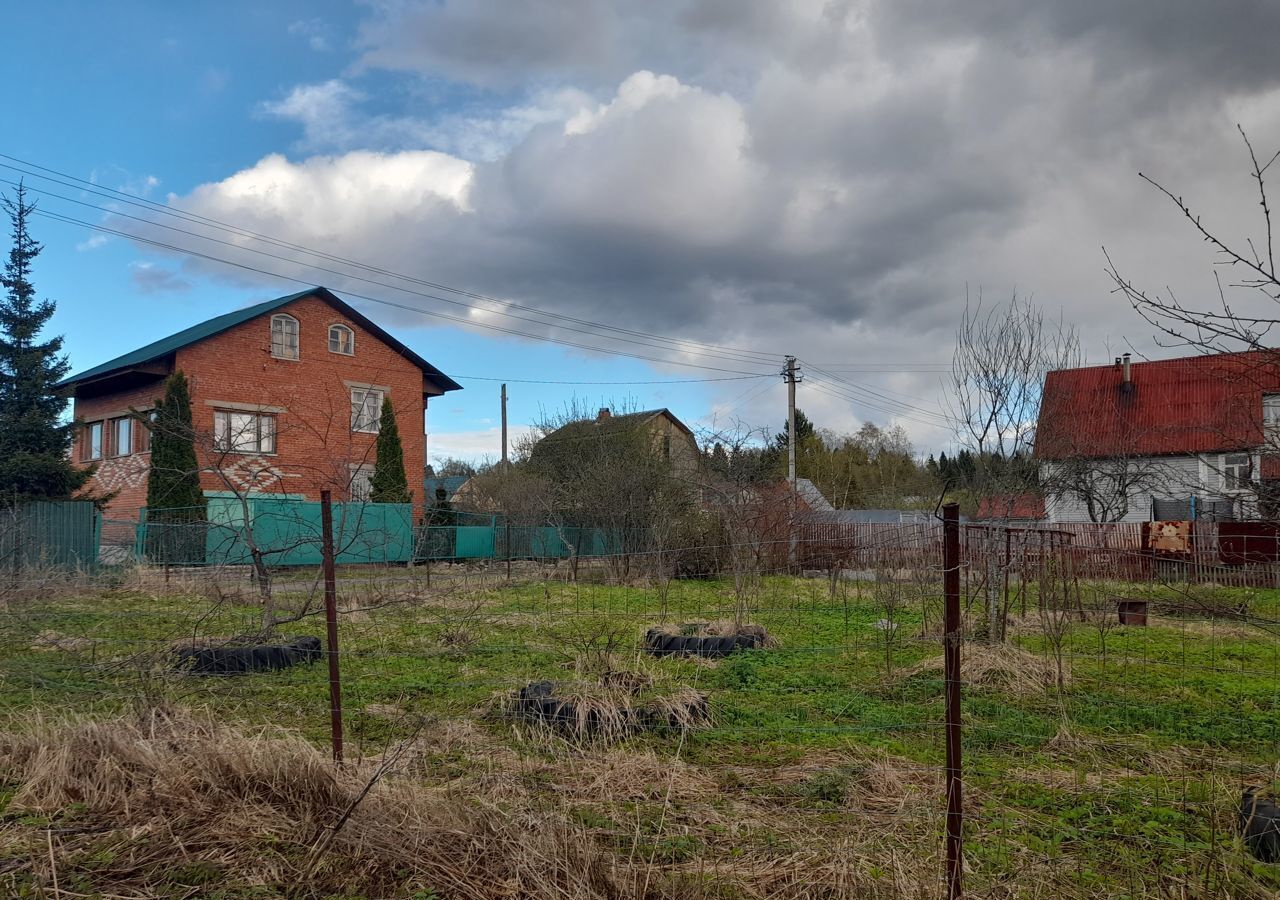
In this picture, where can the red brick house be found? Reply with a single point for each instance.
(285, 399)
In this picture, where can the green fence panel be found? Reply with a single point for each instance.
(374, 532)
(51, 533)
(286, 533)
(475, 542)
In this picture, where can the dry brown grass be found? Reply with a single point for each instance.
(54, 640)
(720, 628)
(602, 711)
(172, 798)
(1001, 666)
(169, 804)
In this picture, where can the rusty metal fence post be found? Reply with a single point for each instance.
(331, 623)
(951, 649)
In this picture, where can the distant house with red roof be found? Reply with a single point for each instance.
(1010, 508)
(1169, 439)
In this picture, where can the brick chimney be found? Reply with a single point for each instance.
(603, 414)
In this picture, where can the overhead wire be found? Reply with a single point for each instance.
(843, 389)
(57, 217)
(876, 396)
(623, 383)
(383, 284)
(120, 196)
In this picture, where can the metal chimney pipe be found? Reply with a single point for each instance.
(1127, 378)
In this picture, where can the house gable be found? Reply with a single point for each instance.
(156, 358)
(1203, 404)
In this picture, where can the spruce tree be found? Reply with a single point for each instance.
(389, 484)
(175, 501)
(34, 438)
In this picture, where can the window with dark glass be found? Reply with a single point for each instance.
(91, 447)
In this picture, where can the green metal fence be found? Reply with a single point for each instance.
(286, 532)
(60, 534)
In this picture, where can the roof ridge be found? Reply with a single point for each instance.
(218, 324)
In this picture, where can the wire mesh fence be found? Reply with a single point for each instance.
(531, 724)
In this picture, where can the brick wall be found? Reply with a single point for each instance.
(123, 474)
(310, 399)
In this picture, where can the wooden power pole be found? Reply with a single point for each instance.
(504, 426)
(789, 374)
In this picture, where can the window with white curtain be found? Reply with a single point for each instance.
(366, 409)
(244, 432)
(342, 340)
(284, 337)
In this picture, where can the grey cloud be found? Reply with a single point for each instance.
(1189, 45)
(823, 178)
(487, 41)
(149, 278)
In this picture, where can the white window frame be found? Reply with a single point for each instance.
(360, 420)
(92, 450)
(116, 423)
(145, 433)
(361, 488)
(340, 329)
(236, 431)
(1235, 471)
(283, 344)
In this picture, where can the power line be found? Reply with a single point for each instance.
(120, 196)
(935, 419)
(383, 284)
(57, 217)
(667, 381)
(875, 396)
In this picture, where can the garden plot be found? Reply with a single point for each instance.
(816, 772)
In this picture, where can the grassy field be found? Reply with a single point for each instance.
(819, 774)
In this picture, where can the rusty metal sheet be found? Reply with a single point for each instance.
(1169, 537)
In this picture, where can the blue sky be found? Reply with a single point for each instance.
(822, 179)
(153, 99)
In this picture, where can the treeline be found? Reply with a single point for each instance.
(873, 467)
(969, 471)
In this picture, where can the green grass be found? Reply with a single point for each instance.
(1121, 785)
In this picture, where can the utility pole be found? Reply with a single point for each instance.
(504, 427)
(790, 376)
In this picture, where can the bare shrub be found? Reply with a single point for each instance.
(1001, 666)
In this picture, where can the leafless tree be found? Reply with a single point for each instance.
(236, 451)
(1106, 487)
(997, 373)
(1243, 315)
(1237, 321)
(997, 384)
(752, 513)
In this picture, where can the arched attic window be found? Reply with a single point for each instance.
(284, 337)
(342, 340)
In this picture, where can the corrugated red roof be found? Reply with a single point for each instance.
(1198, 404)
(1010, 506)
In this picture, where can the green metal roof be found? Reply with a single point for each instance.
(219, 324)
